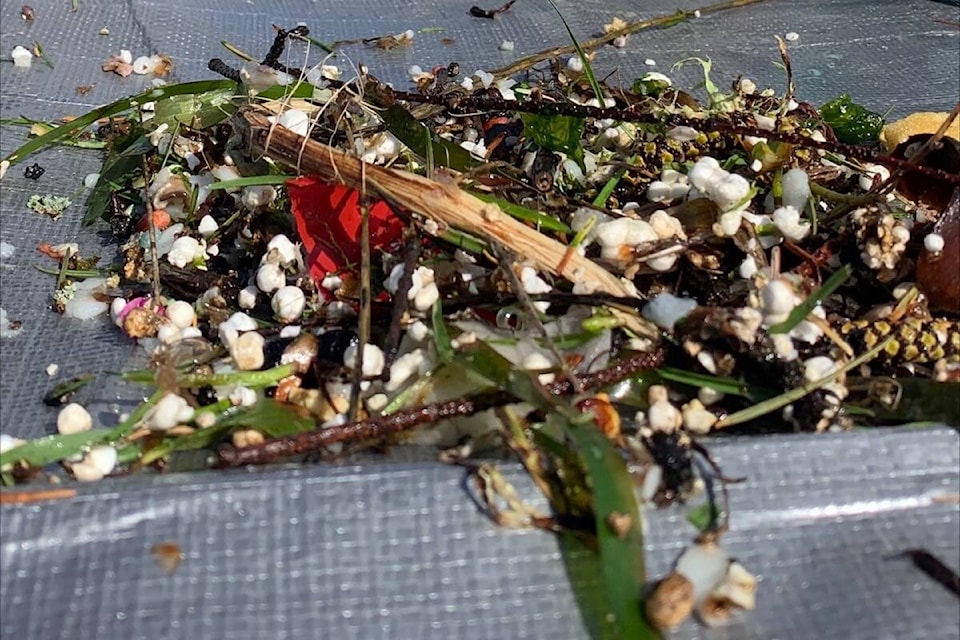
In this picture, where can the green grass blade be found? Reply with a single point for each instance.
(611, 489)
(601, 200)
(587, 69)
(249, 181)
(441, 335)
(44, 451)
(114, 108)
(802, 310)
(782, 400)
(539, 220)
(420, 140)
(124, 159)
(728, 386)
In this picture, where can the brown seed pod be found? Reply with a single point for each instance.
(938, 274)
(920, 187)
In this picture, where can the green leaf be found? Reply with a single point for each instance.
(649, 85)
(279, 92)
(601, 200)
(617, 522)
(539, 220)
(851, 122)
(250, 379)
(704, 517)
(39, 127)
(273, 418)
(114, 108)
(43, 451)
(415, 135)
(621, 552)
(802, 310)
(556, 132)
(713, 92)
(195, 110)
(124, 159)
(62, 392)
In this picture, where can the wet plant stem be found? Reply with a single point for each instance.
(660, 22)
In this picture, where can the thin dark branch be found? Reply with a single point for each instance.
(401, 301)
(463, 103)
(406, 419)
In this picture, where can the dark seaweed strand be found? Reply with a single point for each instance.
(276, 49)
(935, 568)
(272, 59)
(460, 102)
(220, 67)
(406, 419)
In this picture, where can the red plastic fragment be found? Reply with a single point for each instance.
(328, 221)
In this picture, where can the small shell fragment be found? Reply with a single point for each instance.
(671, 602)
(74, 418)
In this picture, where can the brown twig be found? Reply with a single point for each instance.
(633, 27)
(401, 300)
(406, 419)
(28, 497)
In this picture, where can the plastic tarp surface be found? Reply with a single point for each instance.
(399, 551)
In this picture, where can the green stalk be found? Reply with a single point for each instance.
(193, 380)
(802, 310)
(768, 406)
(44, 451)
(249, 181)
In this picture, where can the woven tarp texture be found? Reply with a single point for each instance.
(380, 550)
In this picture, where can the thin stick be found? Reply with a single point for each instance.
(363, 325)
(154, 254)
(406, 419)
(659, 22)
(27, 497)
(401, 300)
